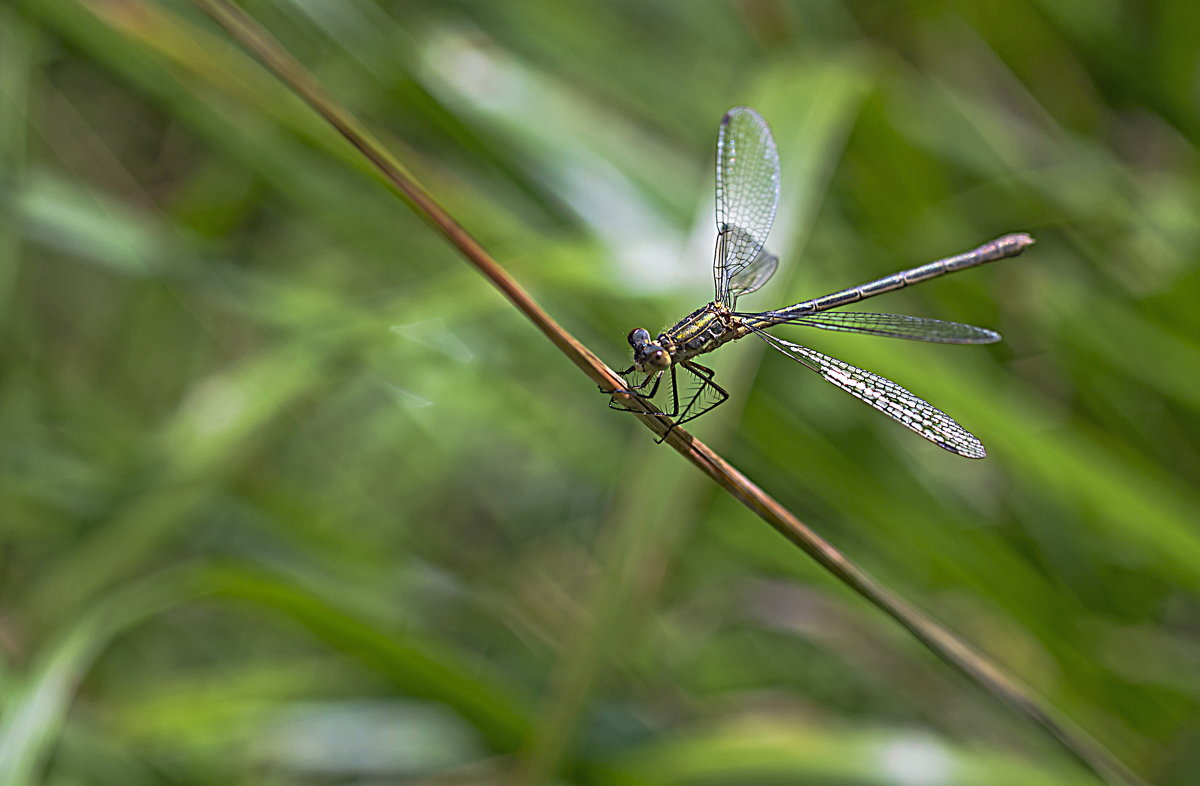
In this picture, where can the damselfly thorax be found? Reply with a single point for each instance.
(699, 333)
(747, 196)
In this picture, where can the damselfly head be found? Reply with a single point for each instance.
(648, 355)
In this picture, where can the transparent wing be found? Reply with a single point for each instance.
(752, 277)
(887, 397)
(898, 326)
(747, 194)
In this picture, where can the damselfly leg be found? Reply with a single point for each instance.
(685, 399)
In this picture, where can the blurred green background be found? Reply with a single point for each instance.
(291, 495)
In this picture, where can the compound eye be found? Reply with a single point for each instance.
(638, 337)
(659, 359)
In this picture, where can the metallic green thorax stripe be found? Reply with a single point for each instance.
(701, 332)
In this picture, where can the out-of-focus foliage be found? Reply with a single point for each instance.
(291, 495)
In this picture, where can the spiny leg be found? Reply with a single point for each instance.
(634, 390)
(674, 405)
(705, 375)
(706, 397)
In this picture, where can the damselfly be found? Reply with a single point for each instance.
(747, 197)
